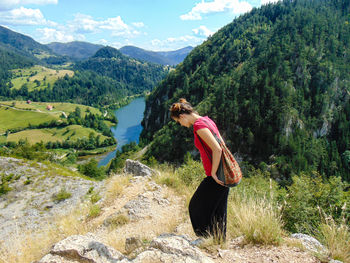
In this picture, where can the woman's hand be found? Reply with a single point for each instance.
(217, 179)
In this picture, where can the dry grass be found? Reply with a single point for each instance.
(337, 239)
(30, 246)
(256, 219)
(115, 187)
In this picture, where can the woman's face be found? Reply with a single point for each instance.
(183, 120)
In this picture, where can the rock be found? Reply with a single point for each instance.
(79, 248)
(172, 248)
(165, 248)
(131, 244)
(137, 169)
(138, 208)
(335, 261)
(310, 243)
(180, 246)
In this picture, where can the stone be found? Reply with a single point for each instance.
(78, 248)
(137, 169)
(310, 243)
(180, 247)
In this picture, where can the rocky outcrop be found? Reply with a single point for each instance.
(85, 249)
(310, 243)
(80, 248)
(38, 194)
(137, 169)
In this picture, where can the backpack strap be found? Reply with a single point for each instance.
(215, 136)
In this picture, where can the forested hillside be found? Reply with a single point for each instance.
(104, 79)
(276, 81)
(76, 50)
(132, 74)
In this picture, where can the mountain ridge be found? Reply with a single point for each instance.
(161, 57)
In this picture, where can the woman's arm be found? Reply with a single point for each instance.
(209, 139)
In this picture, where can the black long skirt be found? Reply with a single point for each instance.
(208, 209)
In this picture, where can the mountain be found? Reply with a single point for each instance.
(77, 50)
(22, 45)
(159, 57)
(134, 75)
(275, 80)
(176, 56)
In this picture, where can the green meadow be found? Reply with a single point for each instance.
(37, 77)
(16, 118)
(72, 132)
(58, 107)
(19, 115)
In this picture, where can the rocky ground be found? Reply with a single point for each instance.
(33, 197)
(147, 222)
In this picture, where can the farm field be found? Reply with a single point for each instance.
(14, 118)
(72, 132)
(37, 77)
(58, 107)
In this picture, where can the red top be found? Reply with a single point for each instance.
(201, 124)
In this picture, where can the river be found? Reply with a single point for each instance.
(128, 128)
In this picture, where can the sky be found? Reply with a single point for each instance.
(158, 25)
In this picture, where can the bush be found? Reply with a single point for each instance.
(192, 172)
(92, 170)
(94, 211)
(308, 196)
(61, 195)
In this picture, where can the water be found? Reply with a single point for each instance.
(128, 128)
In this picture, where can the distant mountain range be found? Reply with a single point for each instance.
(77, 49)
(159, 57)
(56, 52)
(82, 50)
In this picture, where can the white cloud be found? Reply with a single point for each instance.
(202, 31)
(216, 6)
(24, 16)
(87, 24)
(9, 4)
(102, 42)
(48, 35)
(173, 43)
(138, 24)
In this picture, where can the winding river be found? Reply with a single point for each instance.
(128, 128)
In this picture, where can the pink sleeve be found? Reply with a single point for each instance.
(199, 125)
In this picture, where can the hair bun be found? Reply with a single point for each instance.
(182, 100)
(176, 107)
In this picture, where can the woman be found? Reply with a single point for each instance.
(208, 205)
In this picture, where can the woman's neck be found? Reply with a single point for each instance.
(193, 117)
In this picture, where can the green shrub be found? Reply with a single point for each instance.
(94, 211)
(92, 170)
(191, 172)
(310, 194)
(95, 197)
(61, 195)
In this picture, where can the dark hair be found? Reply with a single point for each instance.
(181, 107)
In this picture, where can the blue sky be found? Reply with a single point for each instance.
(158, 25)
